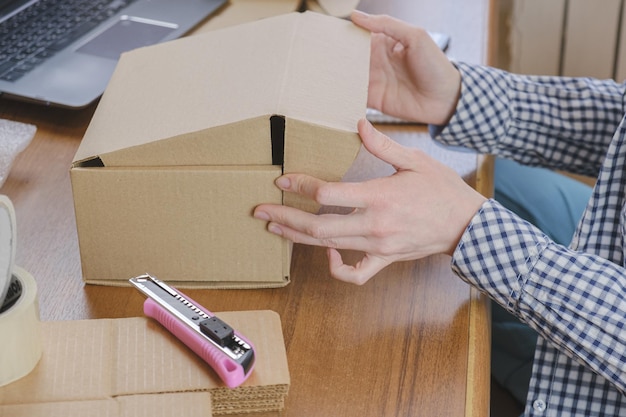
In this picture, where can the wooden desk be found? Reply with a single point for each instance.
(413, 341)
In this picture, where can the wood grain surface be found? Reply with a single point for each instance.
(413, 341)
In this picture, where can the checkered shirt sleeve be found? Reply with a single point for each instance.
(575, 300)
(556, 122)
(574, 297)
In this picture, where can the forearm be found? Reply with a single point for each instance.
(556, 122)
(574, 300)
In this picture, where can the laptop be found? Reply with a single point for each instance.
(63, 52)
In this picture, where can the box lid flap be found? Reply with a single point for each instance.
(306, 66)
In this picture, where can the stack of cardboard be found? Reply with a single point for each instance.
(134, 367)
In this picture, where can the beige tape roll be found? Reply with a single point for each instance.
(20, 332)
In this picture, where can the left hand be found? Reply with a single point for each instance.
(410, 76)
(422, 209)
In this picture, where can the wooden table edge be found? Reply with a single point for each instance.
(477, 401)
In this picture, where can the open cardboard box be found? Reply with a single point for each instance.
(190, 136)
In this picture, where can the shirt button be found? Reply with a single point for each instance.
(539, 405)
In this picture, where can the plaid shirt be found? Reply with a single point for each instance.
(575, 297)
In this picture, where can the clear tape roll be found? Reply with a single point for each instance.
(20, 332)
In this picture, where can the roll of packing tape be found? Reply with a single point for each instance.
(7, 244)
(20, 329)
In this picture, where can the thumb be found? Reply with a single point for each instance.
(384, 148)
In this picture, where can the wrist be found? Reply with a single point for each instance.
(453, 94)
(464, 216)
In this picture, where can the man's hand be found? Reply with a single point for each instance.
(410, 77)
(422, 209)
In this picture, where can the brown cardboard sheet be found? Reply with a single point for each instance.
(134, 367)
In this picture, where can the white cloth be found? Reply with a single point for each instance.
(14, 138)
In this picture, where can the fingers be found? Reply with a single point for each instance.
(387, 25)
(350, 194)
(325, 193)
(334, 230)
(359, 274)
(338, 231)
(330, 230)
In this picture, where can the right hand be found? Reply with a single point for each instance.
(410, 77)
(421, 210)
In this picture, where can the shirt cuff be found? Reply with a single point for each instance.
(497, 253)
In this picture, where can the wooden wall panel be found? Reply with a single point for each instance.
(590, 38)
(620, 72)
(535, 36)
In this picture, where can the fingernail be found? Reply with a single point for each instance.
(274, 228)
(261, 215)
(365, 126)
(283, 183)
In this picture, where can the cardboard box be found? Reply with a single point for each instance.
(134, 367)
(242, 11)
(190, 135)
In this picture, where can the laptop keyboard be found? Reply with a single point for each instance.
(45, 28)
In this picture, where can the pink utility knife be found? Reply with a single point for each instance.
(230, 354)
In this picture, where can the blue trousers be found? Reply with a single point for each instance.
(554, 203)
